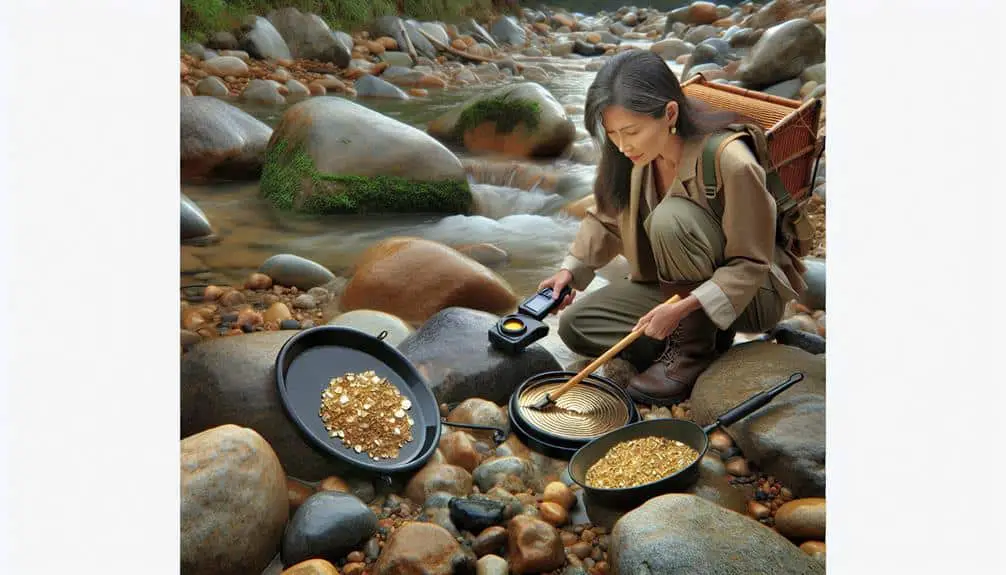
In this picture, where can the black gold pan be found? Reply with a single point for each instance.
(681, 430)
(310, 359)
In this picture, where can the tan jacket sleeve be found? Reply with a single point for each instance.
(749, 222)
(597, 242)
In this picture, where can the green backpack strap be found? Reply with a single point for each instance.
(756, 142)
(710, 180)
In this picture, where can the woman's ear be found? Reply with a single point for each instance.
(672, 113)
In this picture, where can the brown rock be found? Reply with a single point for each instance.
(258, 281)
(683, 59)
(297, 492)
(568, 538)
(312, 567)
(815, 549)
(212, 292)
(438, 477)
(458, 448)
(249, 317)
(354, 569)
(720, 440)
(818, 17)
(334, 483)
(802, 519)
(234, 503)
(418, 92)
(388, 43)
(758, 511)
(738, 466)
(375, 47)
(277, 312)
(593, 38)
(478, 411)
(581, 549)
(553, 513)
(192, 320)
(558, 492)
(702, 13)
(232, 298)
(459, 43)
(491, 540)
(355, 557)
(415, 278)
(316, 88)
(423, 549)
(533, 546)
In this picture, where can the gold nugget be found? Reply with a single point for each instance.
(640, 461)
(353, 401)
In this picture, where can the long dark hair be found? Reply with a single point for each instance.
(639, 81)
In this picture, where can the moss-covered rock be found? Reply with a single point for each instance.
(522, 120)
(331, 156)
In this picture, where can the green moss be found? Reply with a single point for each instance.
(505, 113)
(291, 182)
(201, 18)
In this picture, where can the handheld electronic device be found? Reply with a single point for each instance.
(514, 332)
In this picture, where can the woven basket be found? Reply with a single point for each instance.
(791, 127)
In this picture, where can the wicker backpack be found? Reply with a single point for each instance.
(794, 232)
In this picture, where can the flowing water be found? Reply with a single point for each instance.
(527, 224)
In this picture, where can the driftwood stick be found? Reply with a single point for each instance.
(464, 55)
(408, 41)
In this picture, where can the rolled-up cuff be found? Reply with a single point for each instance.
(583, 274)
(716, 304)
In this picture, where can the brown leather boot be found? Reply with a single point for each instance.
(689, 350)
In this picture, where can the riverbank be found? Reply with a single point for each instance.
(283, 508)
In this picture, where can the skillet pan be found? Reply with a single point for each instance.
(309, 360)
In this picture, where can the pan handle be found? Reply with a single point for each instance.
(753, 403)
(499, 435)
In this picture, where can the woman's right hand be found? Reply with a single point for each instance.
(557, 282)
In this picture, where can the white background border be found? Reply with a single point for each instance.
(88, 279)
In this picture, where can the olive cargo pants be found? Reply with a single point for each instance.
(688, 245)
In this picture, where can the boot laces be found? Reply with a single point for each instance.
(671, 349)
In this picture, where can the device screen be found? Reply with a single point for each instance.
(538, 304)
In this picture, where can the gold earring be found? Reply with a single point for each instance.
(674, 129)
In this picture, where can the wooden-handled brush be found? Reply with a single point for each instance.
(550, 398)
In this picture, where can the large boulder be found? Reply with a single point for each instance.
(414, 279)
(308, 36)
(330, 155)
(232, 380)
(679, 534)
(234, 502)
(507, 31)
(220, 141)
(392, 27)
(783, 52)
(262, 41)
(785, 438)
(452, 351)
(521, 119)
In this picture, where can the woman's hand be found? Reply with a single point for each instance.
(561, 279)
(661, 320)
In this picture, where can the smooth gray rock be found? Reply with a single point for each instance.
(328, 525)
(308, 36)
(680, 534)
(373, 87)
(220, 141)
(194, 224)
(290, 270)
(786, 438)
(452, 350)
(783, 52)
(261, 40)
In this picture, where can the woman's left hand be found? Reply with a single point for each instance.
(661, 320)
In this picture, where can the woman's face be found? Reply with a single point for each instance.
(639, 137)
